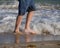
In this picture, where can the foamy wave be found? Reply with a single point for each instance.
(43, 21)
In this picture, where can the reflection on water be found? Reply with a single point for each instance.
(10, 38)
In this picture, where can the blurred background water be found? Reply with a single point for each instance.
(46, 18)
(40, 1)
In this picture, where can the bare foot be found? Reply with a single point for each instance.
(18, 32)
(29, 31)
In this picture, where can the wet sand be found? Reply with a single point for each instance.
(8, 40)
(32, 45)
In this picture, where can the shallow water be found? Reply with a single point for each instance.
(10, 38)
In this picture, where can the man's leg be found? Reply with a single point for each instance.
(17, 25)
(27, 25)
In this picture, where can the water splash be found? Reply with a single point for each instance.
(42, 20)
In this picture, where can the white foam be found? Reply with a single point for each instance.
(42, 20)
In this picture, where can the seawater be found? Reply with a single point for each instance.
(46, 19)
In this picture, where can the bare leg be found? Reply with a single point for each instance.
(27, 25)
(18, 23)
(28, 20)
